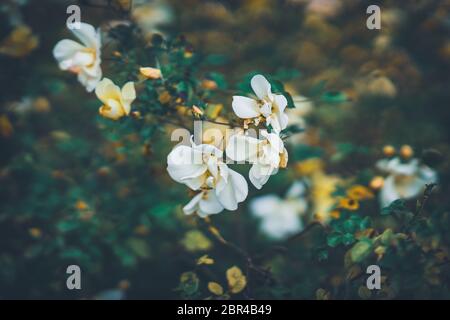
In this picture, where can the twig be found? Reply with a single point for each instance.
(426, 195)
(304, 231)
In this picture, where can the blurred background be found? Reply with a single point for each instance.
(75, 190)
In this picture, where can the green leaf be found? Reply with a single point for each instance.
(189, 283)
(361, 250)
(397, 206)
(216, 59)
(318, 88)
(322, 255)
(334, 97)
(365, 223)
(218, 78)
(348, 239)
(289, 99)
(350, 226)
(67, 225)
(334, 239)
(139, 247)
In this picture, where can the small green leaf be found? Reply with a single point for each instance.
(334, 97)
(350, 226)
(361, 250)
(365, 223)
(397, 206)
(334, 239)
(189, 283)
(348, 239)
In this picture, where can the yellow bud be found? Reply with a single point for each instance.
(164, 97)
(215, 288)
(6, 128)
(141, 230)
(41, 104)
(335, 214)
(406, 151)
(124, 284)
(35, 232)
(388, 150)
(136, 114)
(377, 182)
(81, 205)
(197, 111)
(150, 73)
(209, 84)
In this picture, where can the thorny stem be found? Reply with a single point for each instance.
(426, 195)
(216, 122)
(250, 265)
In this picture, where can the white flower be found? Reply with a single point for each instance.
(405, 180)
(81, 59)
(267, 155)
(204, 204)
(280, 218)
(200, 167)
(116, 101)
(268, 105)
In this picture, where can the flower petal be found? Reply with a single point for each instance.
(210, 205)
(241, 147)
(64, 50)
(233, 191)
(275, 142)
(182, 168)
(240, 185)
(128, 94)
(193, 205)
(388, 193)
(112, 110)
(107, 90)
(264, 205)
(255, 176)
(244, 107)
(260, 86)
(87, 35)
(281, 102)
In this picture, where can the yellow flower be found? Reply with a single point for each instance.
(215, 288)
(236, 280)
(164, 97)
(81, 205)
(19, 42)
(116, 102)
(150, 73)
(348, 203)
(35, 232)
(209, 84)
(323, 186)
(82, 59)
(123, 4)
(359, 192)
(6, 128)
(309, 166)
(195, 240)
(41, 104)
(335, 214)
(205, 260)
